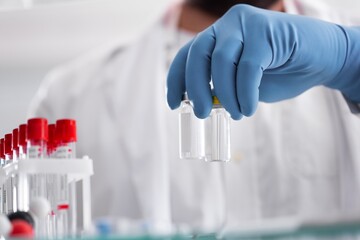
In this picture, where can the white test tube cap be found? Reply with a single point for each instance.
(5, 225)
(40, 207)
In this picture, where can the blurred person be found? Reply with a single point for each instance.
(252, 55)
(292, 158)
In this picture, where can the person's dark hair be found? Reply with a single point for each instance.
(219, 7)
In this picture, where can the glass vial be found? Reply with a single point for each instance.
(218, 134)
(191, 132)
(66, 206)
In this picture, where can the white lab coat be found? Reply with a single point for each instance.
(299, 156)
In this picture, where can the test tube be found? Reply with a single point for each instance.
(37, 136)
(191, 132)
(8, 148)
(218, 134)
(15, 142)
(10, 181)
(52, 182)
(66, 148)
(2, 186)
(22, 141)
(14, 177)
(23, 182)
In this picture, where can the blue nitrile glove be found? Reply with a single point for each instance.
(253, 54)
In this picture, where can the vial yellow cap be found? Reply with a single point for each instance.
(215, 100)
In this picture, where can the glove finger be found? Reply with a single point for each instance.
(198, 73)
(176, 77)
(255, 58)
(223, 70)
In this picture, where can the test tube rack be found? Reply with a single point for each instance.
(77, 169)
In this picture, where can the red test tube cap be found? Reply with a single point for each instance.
(15, 139)
(22, 134)
(37, 129)
(66, 130)
(2, 148)
(21, 229)
(8, 143)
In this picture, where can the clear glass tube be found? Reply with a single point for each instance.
(53, 183)
(2, 162)
(191, 133)
(22, 152)
(15, 156)
(6, 188)
(2, 186)
(12, 188)
(62, 223)
(14, 177)
(8, 197)
(218, 134)
(4, 198)
(23, 185)
(37, 149)
(38, 182)
(66, 205)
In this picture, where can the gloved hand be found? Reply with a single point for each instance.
(253, 54)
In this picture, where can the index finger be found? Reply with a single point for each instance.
(198, 72)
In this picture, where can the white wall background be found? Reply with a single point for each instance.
(34, 40)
